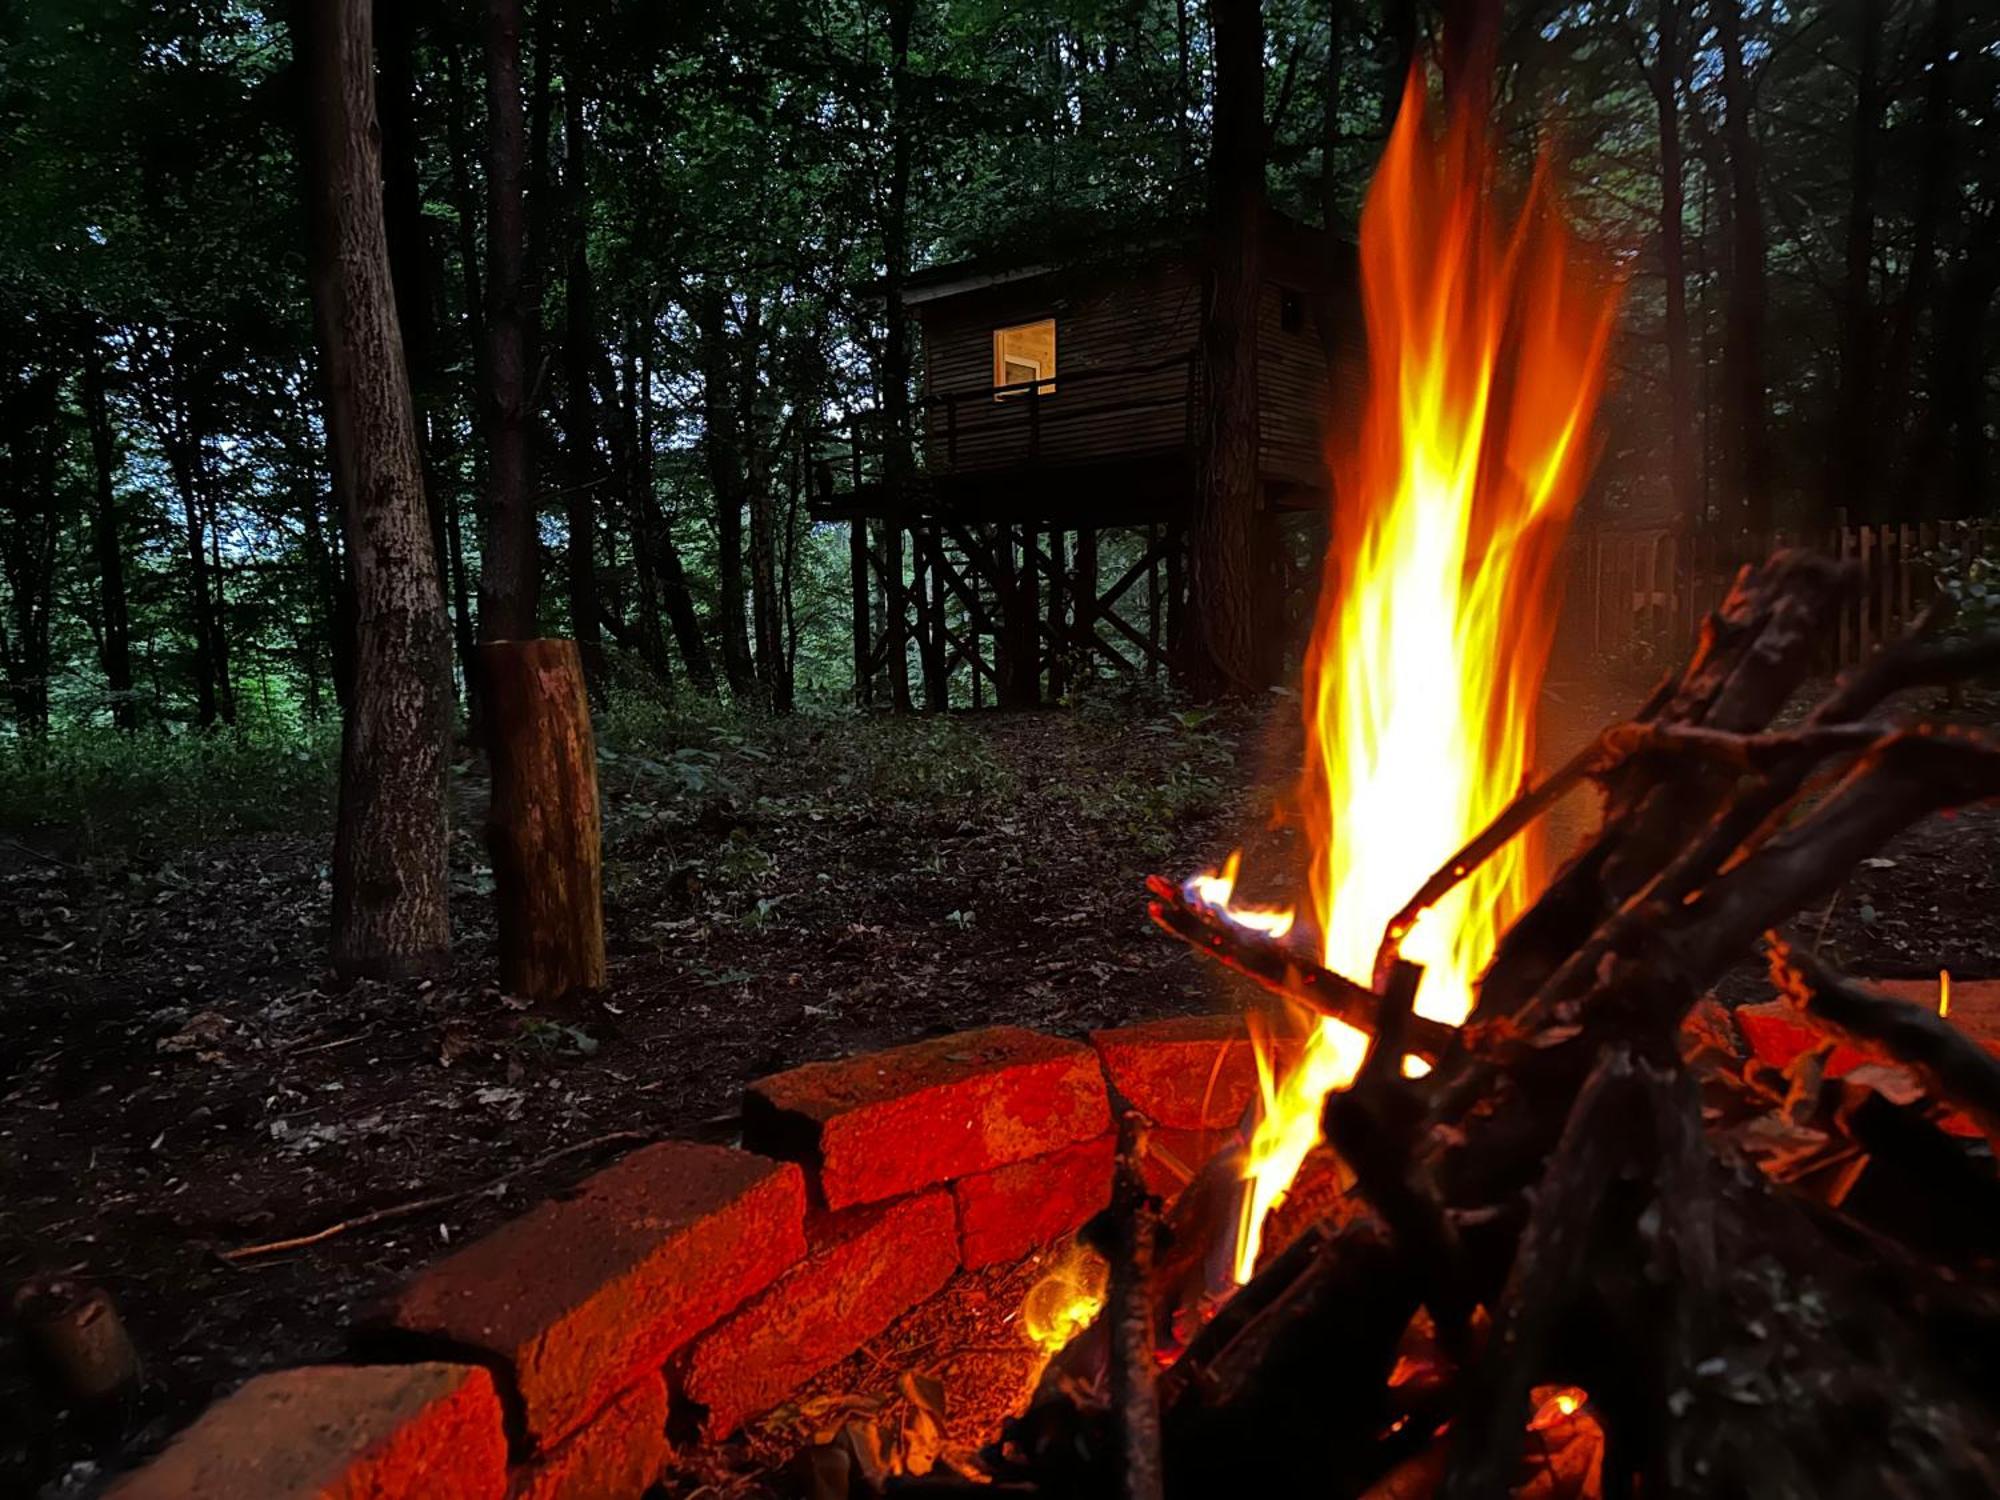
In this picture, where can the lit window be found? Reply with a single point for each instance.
(1024, 353)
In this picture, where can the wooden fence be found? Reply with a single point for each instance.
(1642, 593)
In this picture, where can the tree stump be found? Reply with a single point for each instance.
(78, 1340)
(542, 826)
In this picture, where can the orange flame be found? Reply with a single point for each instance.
(1944, 992)
(1486, 343)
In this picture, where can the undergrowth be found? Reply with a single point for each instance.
(104, 790)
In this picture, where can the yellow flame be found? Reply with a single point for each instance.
(1065, 1301)
(1944, 992)
(1216, 889)
(1486, 353)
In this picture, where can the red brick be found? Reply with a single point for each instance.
(590, 1290)
(1188, 1073)
(887, 1123)
(339, 1432)
(617, 1455)
(865, 1267)
(1004, 1214)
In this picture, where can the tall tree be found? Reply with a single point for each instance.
(1939, 152)
(510, 559)
(722, 447)
(1850, 477)
(1330, 181)
(579, 344)
(896, 343)
(1663, 77)
(390, 885)
(1746, 393)
(30, 522)
(115, 622)
(1229, 521)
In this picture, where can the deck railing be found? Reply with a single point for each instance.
(1644, 592)
(1071, 416)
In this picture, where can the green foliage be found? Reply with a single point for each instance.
(158, 789)
(1971, 581)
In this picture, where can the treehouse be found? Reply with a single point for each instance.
(1062, 398)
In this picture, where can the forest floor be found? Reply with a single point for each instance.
(180, 1077)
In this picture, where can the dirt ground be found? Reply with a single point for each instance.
(179, 1077)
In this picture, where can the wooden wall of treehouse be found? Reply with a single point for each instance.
(1126, 378)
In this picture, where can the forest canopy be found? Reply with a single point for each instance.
(1806, 199)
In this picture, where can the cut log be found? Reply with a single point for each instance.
(78, 1340)
(543, 829)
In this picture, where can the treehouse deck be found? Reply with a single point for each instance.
(1060, 424)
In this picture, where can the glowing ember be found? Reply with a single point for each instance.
(1486, 351)
(1064, 1302)
(1558, 1408)
(1944, 992)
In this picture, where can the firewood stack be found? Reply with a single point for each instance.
(1564, 1201)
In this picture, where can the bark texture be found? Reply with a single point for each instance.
(390, 889)
(1228, 521)
(509, 572)
(543, 828)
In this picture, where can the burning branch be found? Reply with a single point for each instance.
(1556, 1167)
(1284, 971)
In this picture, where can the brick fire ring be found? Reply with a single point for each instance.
(689, 1288)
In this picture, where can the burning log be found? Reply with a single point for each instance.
(1283, 970)
(1554, 1167)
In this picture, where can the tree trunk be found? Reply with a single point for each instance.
(1938, 154)
(663, 555)
(390, 884)
(115, 648)
(1851, 480)
(1664, 80)
(896, 345)
(861, 631)
(1949, 466)
(1745, 397)
(543, 830)
(721, 445)
(30, 447)
(1400, 19)
(1229, 643)
(1329, 123)
(580, 436)
(412, 268)
(510, 563)
(632, 457)
(182, 444)
(464, 214)
(225, 685)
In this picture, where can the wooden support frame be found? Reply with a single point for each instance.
(1017, 610)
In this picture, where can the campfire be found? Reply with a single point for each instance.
(1554, 1265)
